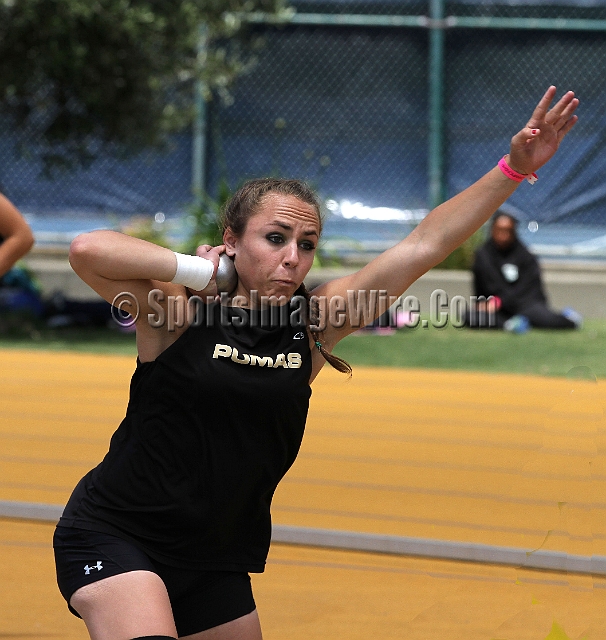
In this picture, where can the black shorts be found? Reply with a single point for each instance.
(200, 599)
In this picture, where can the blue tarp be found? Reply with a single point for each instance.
(147, 183)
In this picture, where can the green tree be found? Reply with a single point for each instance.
(91, 75)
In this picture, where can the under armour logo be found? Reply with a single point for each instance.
(299, 336)
(97, 566)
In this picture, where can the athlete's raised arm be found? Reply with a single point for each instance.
(447, 226)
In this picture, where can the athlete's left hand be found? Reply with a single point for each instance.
(534, 145)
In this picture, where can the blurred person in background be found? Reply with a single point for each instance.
(16, 238)
(19, 293)
(504, 269)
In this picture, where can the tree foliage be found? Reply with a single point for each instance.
(87, 75)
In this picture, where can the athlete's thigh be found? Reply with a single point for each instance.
(124, 606)
(245, 628)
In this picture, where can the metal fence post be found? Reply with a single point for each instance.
(435, 157)
(198, 165)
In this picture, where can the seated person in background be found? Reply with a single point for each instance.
(16, 238)
(505, 269)
(19, 293)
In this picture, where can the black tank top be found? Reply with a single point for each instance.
(211, 427)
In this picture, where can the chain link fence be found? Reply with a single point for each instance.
(345, 109)
(146, 183)
(353, 97)
(492, 82)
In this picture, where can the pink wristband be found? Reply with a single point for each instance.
(514, 175)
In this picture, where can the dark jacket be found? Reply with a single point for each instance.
(494, 272)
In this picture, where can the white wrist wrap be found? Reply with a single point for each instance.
(193, 272)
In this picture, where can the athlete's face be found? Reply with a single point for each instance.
(277, 248)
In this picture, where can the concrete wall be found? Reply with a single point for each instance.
(581, 285)
(54, 273)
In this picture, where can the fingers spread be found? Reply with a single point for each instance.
(566, 120)
(566, 105)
